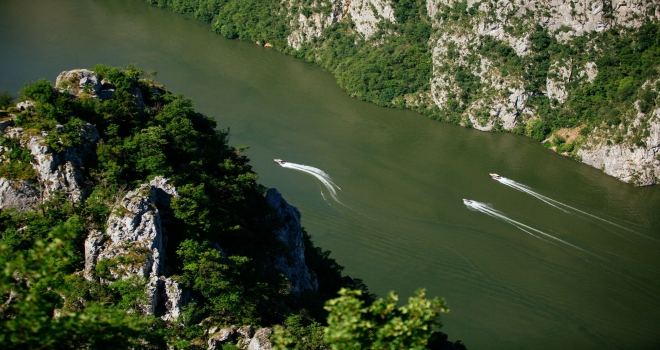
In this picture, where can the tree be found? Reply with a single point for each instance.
(298, 333)
(6, 99)
(383, 324)
(38, 309)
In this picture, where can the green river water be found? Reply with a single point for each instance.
(398, 220)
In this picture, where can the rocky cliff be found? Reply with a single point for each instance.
(290, 233)
(159, 243)
(579, 75)
(470, 85)
(503, 99)
(54, 170)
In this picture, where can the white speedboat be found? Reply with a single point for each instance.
(279, 161)
(467, 201)
(495, 176)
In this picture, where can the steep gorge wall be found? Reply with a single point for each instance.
(503, 97)
(547, 69)
(132, 241)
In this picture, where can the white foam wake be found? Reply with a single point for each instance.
(525, 189)
(317, 173)
(559, 205)
(484, 208)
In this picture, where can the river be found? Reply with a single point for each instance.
(530, 275)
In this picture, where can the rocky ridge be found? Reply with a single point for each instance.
(243, 338)
(503, 99)
(86, 83)
(292, 265)
(366, 14)
(133, 243)
(55, 171)
(626, 161)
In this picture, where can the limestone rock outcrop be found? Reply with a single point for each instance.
(366, 14)
(93, 244)
(56, 171)
(78, 82)
(135, 241)
(175, 298)
(307, 27)
(242, 338)
(135, 229)
(19, 194)
(292, 265)
(559, 76)
(633, 163)
(84, 82)
(223, 336)
(261, 340)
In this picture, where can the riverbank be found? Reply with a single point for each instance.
(531, 69)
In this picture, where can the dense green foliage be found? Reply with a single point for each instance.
(248, 20)
(400, 65)
(625, 61)
(45, 300)
(393, 68)
(377, 324)
(383, 324)
(33, 315)
(298, 333)
(6, 99)
(382, 73)
(17, 161)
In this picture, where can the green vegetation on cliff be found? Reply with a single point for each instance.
(383, 73)
(146, 131)
(394, 66)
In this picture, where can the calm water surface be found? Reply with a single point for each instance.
(398, 221)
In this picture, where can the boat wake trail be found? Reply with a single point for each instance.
(525, 189)
(600, 263)
(561, 206)
(317, 173)
(484, 208)
(332, 189)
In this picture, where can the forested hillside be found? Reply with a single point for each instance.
(127, 221)
(579, 76)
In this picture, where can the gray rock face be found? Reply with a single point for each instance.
(78, 82)
(19, 194)
(61, 171)
(560, 75)
(292, 266)
(260, 341)
(366, 14)
(22, 106)
(632, 163)
(81, 82)
(175, 299)
(245, 334)
(135, 234)
(223, 336)
(56, 171)
(93, 245)
(245, 341)
(135, 229)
